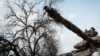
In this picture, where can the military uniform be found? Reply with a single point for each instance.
(93, 33)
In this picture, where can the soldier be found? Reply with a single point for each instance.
(92, 32)
(86, 32)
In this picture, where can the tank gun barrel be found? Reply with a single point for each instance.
(59, 19)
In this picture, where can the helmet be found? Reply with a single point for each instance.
(93, 28)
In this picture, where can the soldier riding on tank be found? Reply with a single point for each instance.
(91, 32)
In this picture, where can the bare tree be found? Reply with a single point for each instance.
(27, 36)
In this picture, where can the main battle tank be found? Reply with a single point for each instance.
(87, 41)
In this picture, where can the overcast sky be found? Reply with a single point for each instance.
(83, 13)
